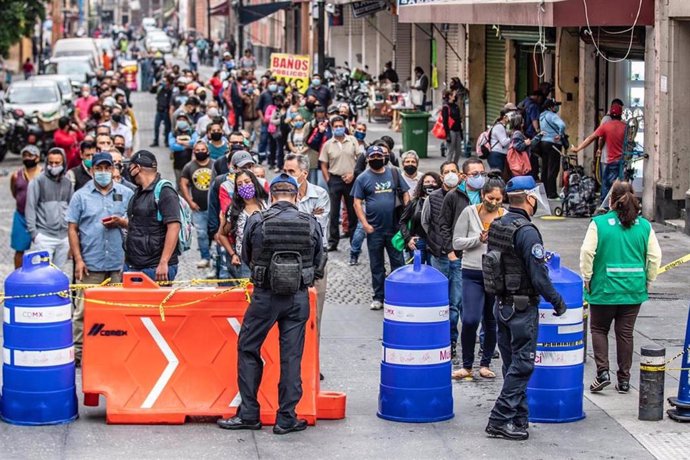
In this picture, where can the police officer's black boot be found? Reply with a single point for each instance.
(237, 423)
(507, 431)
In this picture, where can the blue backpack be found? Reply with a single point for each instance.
(184, 241)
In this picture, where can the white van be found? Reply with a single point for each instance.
(69, 47)
(148, 23)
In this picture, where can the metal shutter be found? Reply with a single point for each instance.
(453, 63)
(403, 51)
(495, 75)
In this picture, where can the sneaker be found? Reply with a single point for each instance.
(623, 387)
(354, 260)
(203, 263)
(454, 358)
(211, 274)
(376, 305)
(600, 382)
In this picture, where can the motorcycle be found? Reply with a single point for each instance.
(19, 129)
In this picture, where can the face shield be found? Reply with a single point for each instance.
(543, 207)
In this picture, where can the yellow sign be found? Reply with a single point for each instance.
(292, 68)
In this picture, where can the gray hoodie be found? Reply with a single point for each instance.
(47, 202)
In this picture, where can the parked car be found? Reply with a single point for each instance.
(68, 47)
(64, 83)
(80, 69)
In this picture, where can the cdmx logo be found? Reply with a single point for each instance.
(99, 329)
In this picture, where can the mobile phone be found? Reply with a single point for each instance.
(107, 219)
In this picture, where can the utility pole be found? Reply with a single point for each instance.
(208, 19)
(321, 31)
(240, 29)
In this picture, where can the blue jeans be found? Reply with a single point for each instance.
(357, 239)
(478, 307)
(151, 271)
(200, 222)
(316, 177)
(161, 117)
(452, 271)
(497, 160)
(377, 243)
(609, 174)
(263, 141)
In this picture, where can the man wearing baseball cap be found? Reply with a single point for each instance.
(613, 135)
(284, 249)
(154, 225)
(515, 271)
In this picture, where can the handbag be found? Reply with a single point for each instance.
(438, 130)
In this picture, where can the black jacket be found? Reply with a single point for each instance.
(454, 203)
(434, 239)
(412, 217)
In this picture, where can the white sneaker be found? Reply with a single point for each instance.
(203, 263)
(376, 305)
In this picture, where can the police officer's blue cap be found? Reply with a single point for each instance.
(283, 178)
(520, 184)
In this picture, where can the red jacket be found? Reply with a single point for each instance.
(69, 142)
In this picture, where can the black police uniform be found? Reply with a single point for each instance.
(526, 277)
(271, 241)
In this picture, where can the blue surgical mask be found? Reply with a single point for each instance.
(103, 178)
(339, 131)
(360, 135)
(476, 182)
(299, 124)
(272, 88)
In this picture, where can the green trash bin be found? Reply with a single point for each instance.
(415, 129)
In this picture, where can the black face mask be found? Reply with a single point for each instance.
(29, 163)
(310, 105)
(386, 160)
(216, 136)
(117, 117)
(410, 169)
(376, 163)
(430, 190)
(535, 207)
(236, 147)
(96, 115)
(201, 156)
(120, 148)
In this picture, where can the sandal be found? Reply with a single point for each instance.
(487, 373)
(462, 374)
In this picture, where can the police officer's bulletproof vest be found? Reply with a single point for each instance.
(285, 262)
(504, 272)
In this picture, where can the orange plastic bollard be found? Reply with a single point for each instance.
(153, 371)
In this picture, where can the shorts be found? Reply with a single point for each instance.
(20, 238)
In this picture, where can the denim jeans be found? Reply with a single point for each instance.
(377, 243)
(357, 239)
(161, 117)
(497, 161)
(151, 271)
(200, 222)
(316, 177)
(263, 142)
(609, 174)
(478, 309)
(452, 271)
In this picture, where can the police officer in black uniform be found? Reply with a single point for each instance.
(514, 269)
(283, 248)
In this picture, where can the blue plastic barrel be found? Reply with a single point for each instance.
(556, 390)
(38, 352)
(415, 366)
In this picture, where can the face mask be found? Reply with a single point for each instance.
(30, 163)
(216, 136)
(386, 160)
(316, 82)
(556, 109)
(376, 163)
(201, 156)
(246, 191)
(339, 131)
(297, 179)
(273, 88)
(491, 206)
(96, 115)
(535, 207)
(117, 117)
(429, 190)
(85, 94)
(360, 135)
(476, 182)
(55, 170)
(410, 169)
(310, 105)
(299, 124)
(88, 164)
(451, 180)
(120, 148)
(103, 178)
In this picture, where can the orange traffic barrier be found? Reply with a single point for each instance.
(161, 369)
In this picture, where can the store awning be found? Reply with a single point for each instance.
(250, 13)
(553, 13)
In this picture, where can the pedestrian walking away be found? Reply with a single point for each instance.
(283, 247)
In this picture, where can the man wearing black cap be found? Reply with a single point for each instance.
(154, 225)
(283, 248)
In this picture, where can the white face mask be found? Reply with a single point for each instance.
(451, 180)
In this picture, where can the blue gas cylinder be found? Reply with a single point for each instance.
(556, 390)
(38, 352)
(415, 366)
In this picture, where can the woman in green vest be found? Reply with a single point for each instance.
(619, 259)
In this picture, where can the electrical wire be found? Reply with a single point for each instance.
(594, 42)
(540, 43)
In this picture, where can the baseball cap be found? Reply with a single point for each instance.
(144, 158)
(102, 157)
(550, 103)
(241, 158)
(31, 150)
(375, 150)
(284, 178)
(616, 110)
(509, 107)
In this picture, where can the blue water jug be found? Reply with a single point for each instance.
(556, 390)
(38, 352)
(415, 366)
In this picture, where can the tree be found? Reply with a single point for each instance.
(17, 20)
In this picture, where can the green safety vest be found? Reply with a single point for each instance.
(620, 265)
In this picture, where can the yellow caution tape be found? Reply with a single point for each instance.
(674, 264)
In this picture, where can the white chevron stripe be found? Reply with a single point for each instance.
(169, 369)
(236, 326)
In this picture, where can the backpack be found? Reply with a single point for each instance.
(518, 162)
(580, 200)
(484, 146)
(270, 110)
(184, 241)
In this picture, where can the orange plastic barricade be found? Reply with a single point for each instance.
(152, 370)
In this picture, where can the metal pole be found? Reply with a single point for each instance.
(208, 19)
(321, 30)
(652, 372)
(240, 30)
